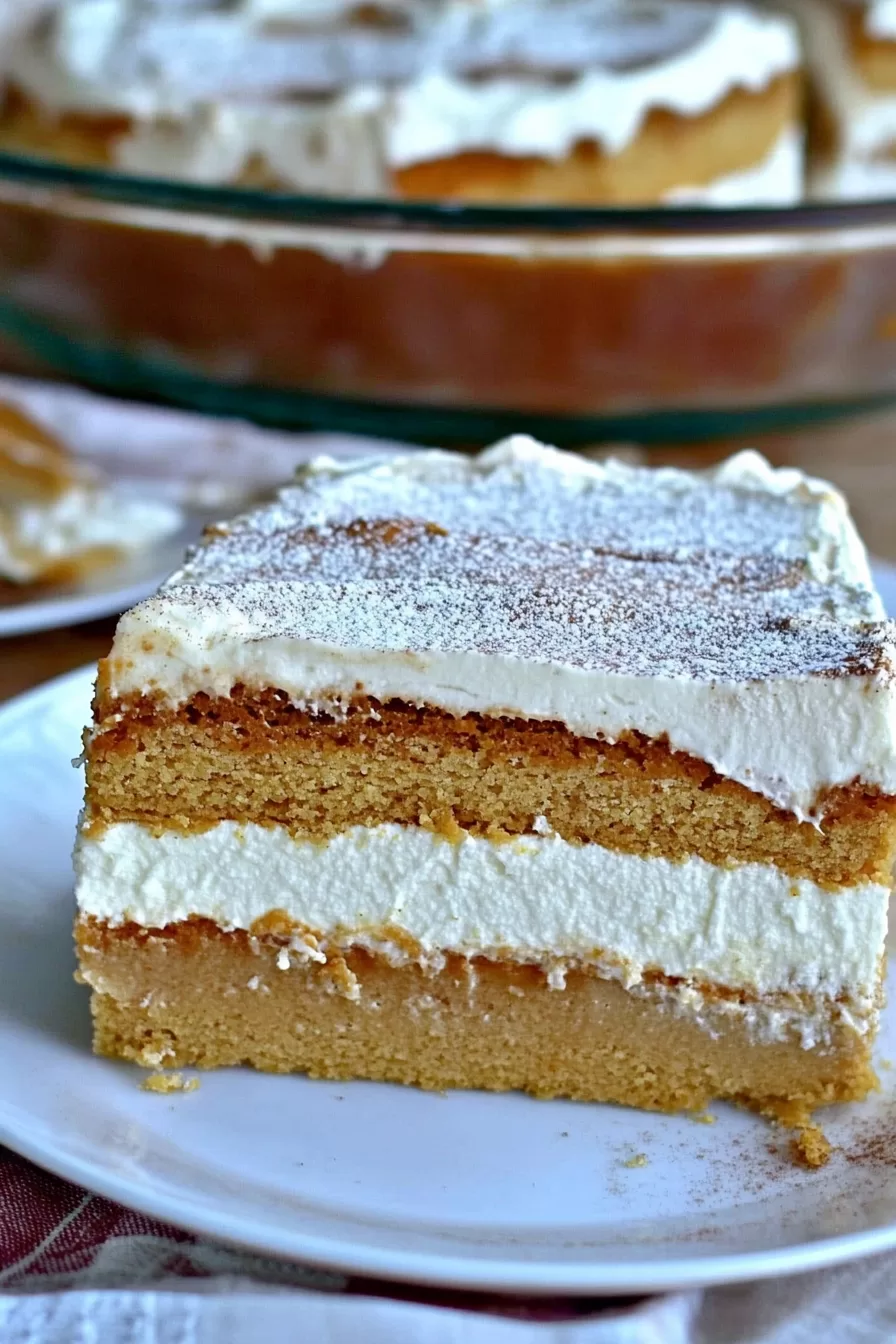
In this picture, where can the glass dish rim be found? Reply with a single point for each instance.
(285, 207)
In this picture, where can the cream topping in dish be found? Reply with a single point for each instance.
(440, 115)
(332, 146)
(704, 608)
(344, 145)
(448, 79)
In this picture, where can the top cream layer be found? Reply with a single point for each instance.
(730, 612)
(593, 68)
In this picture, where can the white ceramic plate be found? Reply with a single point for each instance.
(105, 593)
(466, 1189)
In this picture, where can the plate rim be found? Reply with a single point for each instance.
(544, 1277)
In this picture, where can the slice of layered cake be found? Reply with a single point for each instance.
(518, 771)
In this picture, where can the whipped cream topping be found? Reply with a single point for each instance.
(335, 146)
(729, 612)
(159, 58)
(350, 144)
(535, 899)
(398, 96)
(438, 116)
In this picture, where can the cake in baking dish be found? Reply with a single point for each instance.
(600, 101)
(511, 772)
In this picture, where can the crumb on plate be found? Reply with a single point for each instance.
(168, 1082)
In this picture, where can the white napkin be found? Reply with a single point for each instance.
(216, 1316)
(855, 1304)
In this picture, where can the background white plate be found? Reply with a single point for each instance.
(106, 593)
(470, 1189)
(210, 468)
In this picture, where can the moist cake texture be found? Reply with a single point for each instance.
(552, 100)
(515, 771)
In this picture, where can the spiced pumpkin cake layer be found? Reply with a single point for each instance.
(497, 1025)
(258, 758)
(620, 729)
(579, 100)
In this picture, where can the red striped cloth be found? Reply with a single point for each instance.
(56, 1236)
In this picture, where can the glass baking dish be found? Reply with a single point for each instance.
(448, 323)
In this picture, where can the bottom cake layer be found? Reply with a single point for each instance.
(193, 994)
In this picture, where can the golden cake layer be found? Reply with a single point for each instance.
(194, 994)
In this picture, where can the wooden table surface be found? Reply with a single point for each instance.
(28, 660)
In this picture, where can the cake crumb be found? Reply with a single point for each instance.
(809, 1147)
(168, 1082)
(343, 981)
(639, 1160)
(445, 824)
(885, 1065)
(152, 1059)
(702, 1118)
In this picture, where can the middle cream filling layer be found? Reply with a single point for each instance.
(537, 898)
